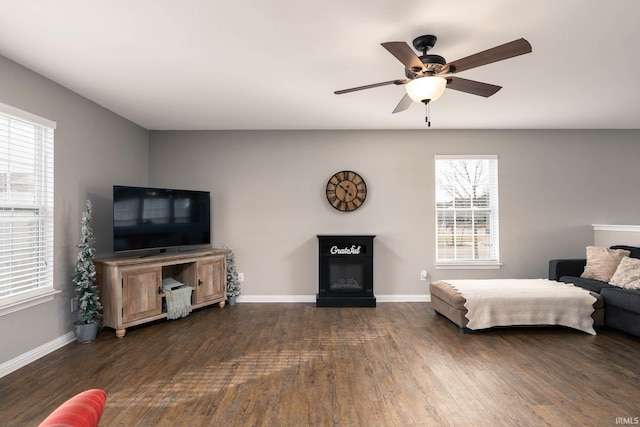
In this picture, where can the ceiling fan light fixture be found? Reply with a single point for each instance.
(426, 88)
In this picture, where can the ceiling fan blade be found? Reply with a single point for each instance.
(404, 103)
(471, 86)
(498, 53)
(353, 89)
(404, 54)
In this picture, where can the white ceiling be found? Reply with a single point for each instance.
(274, 64)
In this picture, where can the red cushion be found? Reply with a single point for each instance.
(82, 410)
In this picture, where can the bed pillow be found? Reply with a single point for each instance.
(627, 274)
(602, 262)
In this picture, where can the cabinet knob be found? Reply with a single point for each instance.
(199, 282)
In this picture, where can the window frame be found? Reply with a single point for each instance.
(493, 261)
(45, 290)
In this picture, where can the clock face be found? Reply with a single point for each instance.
(346, 191)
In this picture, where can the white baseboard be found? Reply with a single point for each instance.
(403, 298)
(35, 354)
(277, 298)
(312, 298)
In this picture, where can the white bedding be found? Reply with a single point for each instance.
(511, 302)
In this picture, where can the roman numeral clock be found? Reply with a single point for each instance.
(346, 191)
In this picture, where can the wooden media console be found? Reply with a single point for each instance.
(131, 287)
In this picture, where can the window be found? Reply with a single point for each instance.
(467, 211)
(26, 209)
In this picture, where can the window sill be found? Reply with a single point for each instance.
(468, 265)
(28, 299)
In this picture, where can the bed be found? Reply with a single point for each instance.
(481, 304)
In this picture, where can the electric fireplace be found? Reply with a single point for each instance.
(345, 271)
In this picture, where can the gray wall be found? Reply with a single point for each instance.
(94, 149)
(269, 204)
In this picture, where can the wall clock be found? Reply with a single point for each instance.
(346, 191)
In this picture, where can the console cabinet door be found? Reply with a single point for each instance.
(140, 296)
(212, 279)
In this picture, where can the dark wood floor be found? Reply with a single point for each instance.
(298, 365)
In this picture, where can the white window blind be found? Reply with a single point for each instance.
(26, 205)
(467, 210)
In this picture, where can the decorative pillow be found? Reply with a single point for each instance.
(82, 410)
(602, 262)
(627, 274)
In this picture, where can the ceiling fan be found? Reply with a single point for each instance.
(424, 74)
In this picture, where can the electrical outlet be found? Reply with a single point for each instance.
(74, 304)
(423, 276)
(241, 277)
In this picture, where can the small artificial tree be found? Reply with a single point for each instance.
(85, 274)
(233, 283)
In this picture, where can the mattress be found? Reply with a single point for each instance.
(450, 303)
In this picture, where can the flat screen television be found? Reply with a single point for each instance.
(160, 218)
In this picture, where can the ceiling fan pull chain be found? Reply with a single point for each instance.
(426, 118)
